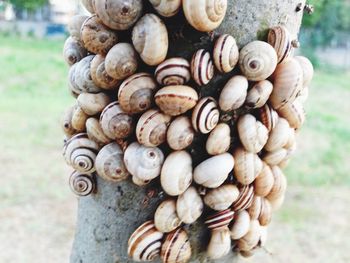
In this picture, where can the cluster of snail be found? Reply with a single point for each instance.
(142, 124)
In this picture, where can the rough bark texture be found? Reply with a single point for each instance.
(107, 219)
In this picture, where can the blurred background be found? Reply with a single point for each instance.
(37, 209)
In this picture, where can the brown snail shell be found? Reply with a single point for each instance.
(259, 94)
(219, 220)
(275, 157)
(150, 39)
(257, 60)
(251, 239)
(176, 100)
(145, 243)
(135, 94)
(234, 93)
(167, 8)
(268, 117)
(202, 68)
(219, 139)
(265, 215)
(82, 184)
(205, 115)
(73, 51)
(245, 198)
(176, 247)
(121, 61)
(173, 71)
(264, 182)
(109, 163)
(152, 127)
(279, 186)
(93, 104)
(79, 118)
(307, 68)
(176, 174)
(96, 37)
(219, 244)
(115, 123)
(280, 38)
(180, 133)
(240, 226)
(294, 113)
(67, 122)
(74, 26)
(89, 5)
(255, 209)
(119, 14)
(99, 74)
(221, 198)
(205, 15)
(95, 132)
(165, 217)
(189, 206)
(279, 136)
(225, 53)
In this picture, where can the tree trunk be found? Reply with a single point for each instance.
(107, 219)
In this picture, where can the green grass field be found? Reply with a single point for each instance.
(37, 206)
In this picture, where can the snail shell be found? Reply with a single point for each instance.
(251, 239)
(180, 133)
(280, 39)
(214, 171)
(176, 247)
(307, 68)
(82, 184)
(259, 94)
(255, 209)
(79, 118)
(95, 132)
(93, 104)
(268, 117)
(142, 162)
(176, 100)
(225, 53)
(265, 215)
(99, 74)
(204, 15)
(279, 186)
(257, 60)
(247, 166)
(277, 203)
(135, 94)
(205, 115)
(222, 197)
(74, 26)
(220, 243)
(234, 93)
(202, 68)
(150, 39)
(275, 157)
(67, 122)
(152, 127)
(121, 61)
(109, 163)
(294, 113)
(96, 37)
(279, 136)
(173, 71)
(219, 140)
(73, 51)
(115, 123)
(252, 133)
(119, 14)
(145, 243)
(189, 206)
(165, 217)
(219, 220)
(89, 5)
(245, 198)
(176, 175)
(166, 8)
(240, 226)
(264, 181)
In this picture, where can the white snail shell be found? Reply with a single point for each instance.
(89, 5)
(150, 39)
(268, 117)
(275, 157)
(205, 115)
(264, 181)
(74, 26)
(82, 184)
(73, 51)
(99, 74)
(307, 68)
(225, 53)
(219, 220)
(189, 206)
(279, 135)
(234, 93)
(251, 239)
(265, 215)
(79, 118)
(259, 94)
(173, 71)
(240, 226)
(220, 243)
(176, 247)
(279, 186)
(280, 38)
(205, 15)
(245, 198)
(294, 113)
(92, 103)
(180, 133)
(219, 140)
(166, 8)
(95, 132)
(202, 68)
(165, 217)
(222, 197)
(255, 209)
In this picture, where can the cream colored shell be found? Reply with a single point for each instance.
(279, 135)
(176, 247)
(240, 226)
(189, 206)
(180, 133)
(219, 244)
(234, 93)
(95, 132)
(280, 38)
(93, 104)
(222, 197)
(294, 113)
(264, 181)
(165, 217)
(259, 94)
(307, 68)
(219, 140)
(100, 76)
(167, 8)
(225, 53)
(251, 239)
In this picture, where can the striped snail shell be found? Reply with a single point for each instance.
(234, 93)
(180, 133)
(166, 8)
(73, 51)
(307, 68)
(294, 113)
(165, 217)
(240, 226)
(95, 132)
(176, 100)
(89, 5)
(225, 53)
(79, 118)
(220, 219)
(119, 14)
(173, 71)
(279, 136)
(115, 123)
(251, 239)
(189, 206)
(135, 94)
(80, 153)
(279, 186)
(259, 94)
(245, 198)
(176, 247)
(99, 74)
(205, 15)
(67, 122)
(268, 117)
(82, 184)
(145, 243)
(219, 244)
(150, 39)
(280, 39)
(264, 181)
(152, 127)
(219, 139)
(205, 115)
(74, 26)
(257, 60)
(221, 198)
(93, 103)
(96, 37)
(109, 163)
(202, 68)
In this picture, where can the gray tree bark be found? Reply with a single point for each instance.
(107, 218)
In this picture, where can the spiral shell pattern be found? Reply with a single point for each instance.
(268, 117)
(173, 71)
(279, 38)
(220, 219)
(205, 115)
(99, 74)
(176, 247)
(245, 199)
(202, 68)
(180, 133)
(73, 51)
(82, 184)
(225, 53)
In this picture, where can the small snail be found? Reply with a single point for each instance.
(173, 71)
(280, 39)
(307, 68)
(89, 5)
(67, 122)
(245, 198)
(259, 94)
(225, 53)
(294, 113)
(165, 217)
(99, 74)
(255, 209)
(220, 243)
(73, 51)
(264, 181)
(82, 184)
(95, 132)
(251, 239)
(234, 93)
(202, 68)
(180, 133)
(189, 206)
(222, 197)
(79, 118)
(166, 8)
(240, 226)
(219, 139)
(205, 115)
(275, 157)
(74, 26)
(268, 117)
(219, 220)
(279, 186)
(93, 104)
(279, 136)
(176, 247)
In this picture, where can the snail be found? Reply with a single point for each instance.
(257, 60)
(79, 118)
(220, 243)
(279, 186)
(74, 26)
(279, 135)
(96, 37)
(294, 113)
(95, 132)
(255, 209)
(176, 247)
(205, 15)
(93, 104)
(180, 133)
(280, 39)
(89, 5)
(145, 243)
(268, 117)
(275, 157)
(219, 139)
(67, 122)
(82, 184)
(219, 220)
(152, 127)
(265, 215)
(234, 93)
(165, 217)
(135, 94)
(109, 163)
(119, 14)
(167, 8)
(205, 115)
(73, 51)
(176, 174)
(245, 198)
(121, 61)
(225, 53)
(189, 206)
(240, 226)
(99, 74)
(264, 181)
(115, 123)
(307, 68)
(251, 239)
(202, 68)
(222, 197)
(213, 172)
(173, 71)
(150, 39)
(176, 100)
(259, 94)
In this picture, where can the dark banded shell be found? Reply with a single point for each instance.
(220, 219)
(245, 199)
(82, 184)
(173, 71)
(268, 117)
(225, 53)
(176, 247)
(202, 68)
(279, 37)
(205, 115)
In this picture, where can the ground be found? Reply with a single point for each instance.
(38, 211)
